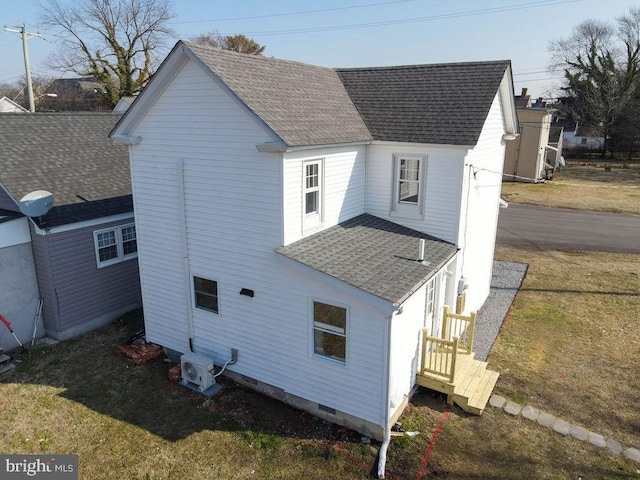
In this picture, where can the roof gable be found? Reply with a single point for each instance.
(439, 103)
(303, 104)
(69, 155)
(306, 105)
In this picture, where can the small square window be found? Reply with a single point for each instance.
(329, 331)
(206, 294)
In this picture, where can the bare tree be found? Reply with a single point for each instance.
(111, 40)
(237, 43)
(601, 63)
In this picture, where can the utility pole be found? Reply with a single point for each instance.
(26, 36)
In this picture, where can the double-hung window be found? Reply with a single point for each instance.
(330, 331)
(408, 185)
(206, 294)
(312, 193)
(115, 244)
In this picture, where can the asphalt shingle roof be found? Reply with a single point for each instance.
(303, 104)
(70, 155)
(374, 255)
(439, 103)
(310, 105)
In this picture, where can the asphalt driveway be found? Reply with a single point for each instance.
(564, 229)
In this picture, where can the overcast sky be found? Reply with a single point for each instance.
(355, 33)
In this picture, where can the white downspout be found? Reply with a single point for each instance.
(382, 455)
(185, 250)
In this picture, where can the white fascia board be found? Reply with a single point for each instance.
(430, 146)
(271, 147)
(300, 148)
(508, 102)
(126, 140)
(88, 223)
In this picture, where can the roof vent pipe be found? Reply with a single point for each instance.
(421, 251)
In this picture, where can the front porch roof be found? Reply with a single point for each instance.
(374, 255)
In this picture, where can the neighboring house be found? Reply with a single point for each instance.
(18, 285)
(85, 94)
(9, 106)
(280, 208)
(526, 157)
(84, 248)
(577, 137)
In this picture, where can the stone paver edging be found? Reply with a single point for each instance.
(563, 428)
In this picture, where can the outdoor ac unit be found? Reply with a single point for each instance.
(196, 370)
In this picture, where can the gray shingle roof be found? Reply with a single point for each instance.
(69, 155)
(439, 103)
(308, 105)
(372, 254)
(303, 104)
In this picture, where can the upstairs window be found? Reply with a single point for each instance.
(409, 180)
(408, 185)
(115, 245)
(312, 193)
(330, 331)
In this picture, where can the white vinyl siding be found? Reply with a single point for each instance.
(482, 183)
(343, 188)
(234, 208)
(438, 214)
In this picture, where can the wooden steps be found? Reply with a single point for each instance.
(471, 387)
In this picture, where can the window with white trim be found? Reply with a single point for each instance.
(330, 331)
(116, 244)
(312, 193)
(206, 294)
(408, 185)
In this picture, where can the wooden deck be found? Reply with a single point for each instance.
(449, 366)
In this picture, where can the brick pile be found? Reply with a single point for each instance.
(140, 352)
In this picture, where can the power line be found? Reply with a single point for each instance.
(303, 12)
(470, 13)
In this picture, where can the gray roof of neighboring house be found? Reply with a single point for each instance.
(439, 103)
(374, 255)
(309, 105)
(70, 155)
(303, 104)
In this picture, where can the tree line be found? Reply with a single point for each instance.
(601, 87)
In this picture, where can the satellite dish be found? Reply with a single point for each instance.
(36, 204)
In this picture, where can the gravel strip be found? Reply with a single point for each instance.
(505, 282)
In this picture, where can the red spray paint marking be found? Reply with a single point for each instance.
(425, 460)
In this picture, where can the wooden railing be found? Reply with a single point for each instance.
(461, 326)
(439, 355)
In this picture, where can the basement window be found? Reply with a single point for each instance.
(330, 331)
(115, 245)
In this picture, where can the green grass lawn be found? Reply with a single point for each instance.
(584, 187)
(569, 347)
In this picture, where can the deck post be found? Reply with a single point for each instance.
(425, 334)
(454, 354)
(472, 331)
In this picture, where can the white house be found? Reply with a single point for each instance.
(279, 210)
